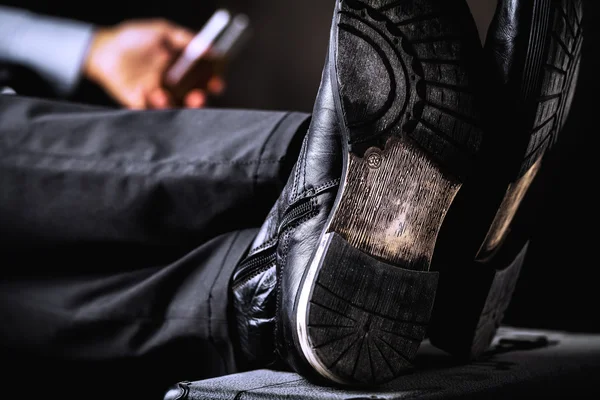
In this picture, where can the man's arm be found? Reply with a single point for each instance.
(53, 47)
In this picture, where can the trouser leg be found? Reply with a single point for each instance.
(72, 174)
(120, 230)
(171, 321)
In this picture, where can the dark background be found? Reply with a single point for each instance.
(280, 69)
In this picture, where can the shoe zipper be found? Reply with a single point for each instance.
(296, 213)
(266, 258)
(255, 265)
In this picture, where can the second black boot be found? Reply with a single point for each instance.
(532, 60)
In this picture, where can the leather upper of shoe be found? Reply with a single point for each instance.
(270, 274)
(502, 36)
(313, 187)
(508, 43)
(254, 298)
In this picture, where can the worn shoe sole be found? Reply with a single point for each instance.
(402, 81)
(532, 109)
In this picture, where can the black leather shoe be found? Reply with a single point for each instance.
(533, 51)
(355, 291)
(294, 221)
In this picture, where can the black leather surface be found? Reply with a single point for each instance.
(315, 179)
(313, 182)
(504, 34)
(521, 364)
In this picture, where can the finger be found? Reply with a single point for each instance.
(134, 99)
(216, 85)
(159, 99)
(195, 99)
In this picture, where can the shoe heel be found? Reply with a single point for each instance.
(362, 319)
(482, 294)
(405, 93)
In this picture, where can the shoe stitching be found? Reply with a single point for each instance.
(303, 167)
(285, 242)
(317, 189)
(268, 243)
(304, 174)
(298, 166)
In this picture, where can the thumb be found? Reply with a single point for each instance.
(178, 37)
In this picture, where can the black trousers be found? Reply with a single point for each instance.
(119, 232)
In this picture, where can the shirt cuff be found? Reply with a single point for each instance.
(53, 47)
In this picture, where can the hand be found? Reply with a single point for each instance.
(130, 59)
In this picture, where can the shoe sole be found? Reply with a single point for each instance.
(403, 92)
(550, 65)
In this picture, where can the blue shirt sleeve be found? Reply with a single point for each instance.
(53, 47)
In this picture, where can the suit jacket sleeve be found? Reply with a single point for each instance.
(53, 47)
